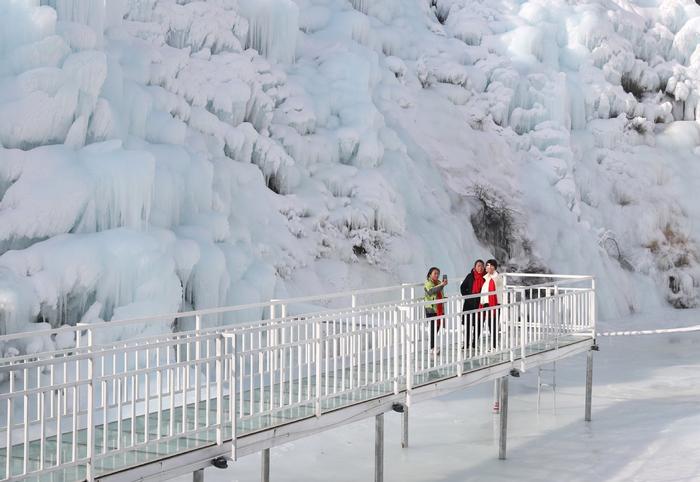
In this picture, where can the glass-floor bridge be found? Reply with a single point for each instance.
(158, 406)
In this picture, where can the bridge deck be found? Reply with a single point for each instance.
(158, 406)
(206, 436)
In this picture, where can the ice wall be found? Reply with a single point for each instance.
(158, 155)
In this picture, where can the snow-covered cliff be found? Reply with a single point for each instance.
(157, 155)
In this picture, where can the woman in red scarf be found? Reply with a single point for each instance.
(492, 289)
(472, 285)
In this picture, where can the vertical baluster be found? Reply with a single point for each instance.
(308, 350)
(105, 406)
(318, 366)
(133, 411)
(197, 368)
(59, 426)
(219, 389)
(207, 383)
(42, 429)
(336, 353)
(290, 351)
(159, 390)
(118, 395)
(25, 421)
(326, 363)
(251, 387)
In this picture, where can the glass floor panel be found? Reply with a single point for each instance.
(203, 436)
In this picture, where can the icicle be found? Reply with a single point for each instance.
(360, 5)
(273, 27)
(86, 12)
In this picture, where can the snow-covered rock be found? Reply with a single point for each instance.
(158, 155)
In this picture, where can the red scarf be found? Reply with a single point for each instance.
(439, 307)
(493, 299)
(478, 282)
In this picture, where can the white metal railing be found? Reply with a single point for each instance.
(94, 408)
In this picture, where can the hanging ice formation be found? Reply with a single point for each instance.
(273, 27)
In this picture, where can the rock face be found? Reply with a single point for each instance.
(158, 155)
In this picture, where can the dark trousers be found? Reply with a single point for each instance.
(491, 317)
(472, 323)
(434, 326)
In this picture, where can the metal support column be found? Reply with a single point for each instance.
(379, 448)
(198, 475)
(265, 472)
(589, 384)
(404, 428)
(503, 418)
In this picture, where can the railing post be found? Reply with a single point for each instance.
(233, 386)
(197, 368)
(10, 411)
(219, 389)
(523, 329)
(272, 353)
(592, 309)
(408, 342)
(318, 368)
(396, 351)
(461, 345)
(513, 316)
(409, 355)
(90, 468)
(557, 315)
(353, 322)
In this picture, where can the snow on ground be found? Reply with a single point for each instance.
(646, 411)
(356, 146)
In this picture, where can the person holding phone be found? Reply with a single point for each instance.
(433, 289)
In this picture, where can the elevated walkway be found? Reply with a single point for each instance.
(158, 407)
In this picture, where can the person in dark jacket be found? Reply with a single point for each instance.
(472, 285)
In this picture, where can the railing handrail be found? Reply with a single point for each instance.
(153, 341)
(205, 311)
(115, 324)
(581, 277)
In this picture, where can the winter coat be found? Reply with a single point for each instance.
(433, 292)
(469, 287)
(492, 283)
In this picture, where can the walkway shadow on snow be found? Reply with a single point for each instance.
(624, 433)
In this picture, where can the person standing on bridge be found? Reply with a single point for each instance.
(490, 297)
(472, 285)
(433, 311)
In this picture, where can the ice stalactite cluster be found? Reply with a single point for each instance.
(158, 155)
(272, 27)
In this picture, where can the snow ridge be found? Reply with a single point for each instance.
(158, 155)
